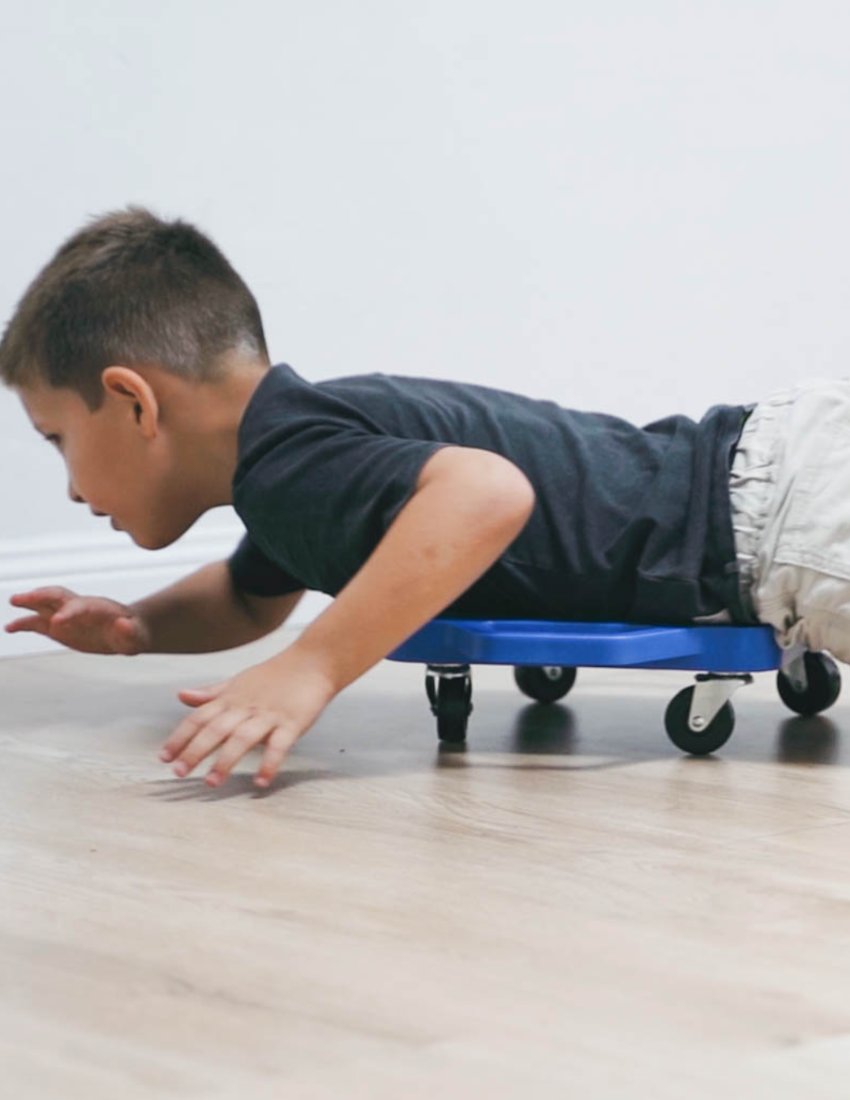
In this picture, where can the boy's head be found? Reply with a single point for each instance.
(138, 346)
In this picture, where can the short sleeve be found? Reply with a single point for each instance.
(359, 481)
(252, 572)
(325, 496)
(353, 483)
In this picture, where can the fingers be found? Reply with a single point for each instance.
(34, 622)
(188, 729)
(42, 599)
(67, 610)
(197, 736)
(277, 746)
(45, 601)
(242, 740)
(195, 696)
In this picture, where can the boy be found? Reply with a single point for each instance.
(140, 353)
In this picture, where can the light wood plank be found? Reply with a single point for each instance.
(567, 903)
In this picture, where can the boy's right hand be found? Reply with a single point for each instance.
(91, 624)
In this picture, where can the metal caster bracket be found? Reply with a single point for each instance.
(712, 691)
(794, 668)
(442, 672)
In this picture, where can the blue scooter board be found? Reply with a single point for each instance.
(592, 644)
(546, 654)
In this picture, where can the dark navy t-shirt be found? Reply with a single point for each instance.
(631, 524)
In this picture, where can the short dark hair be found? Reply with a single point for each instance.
(130, 289)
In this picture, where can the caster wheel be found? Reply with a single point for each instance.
(451, 702)
(824, 685)
(546, 683)
(697, 742)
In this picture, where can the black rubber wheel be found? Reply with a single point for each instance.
(697, 743)
(454, 706)
(544, 683)
(824, 685)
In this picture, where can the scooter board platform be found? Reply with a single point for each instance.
(707, 648)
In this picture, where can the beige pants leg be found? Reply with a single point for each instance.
(790, 493)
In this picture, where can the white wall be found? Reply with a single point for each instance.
(636, 208)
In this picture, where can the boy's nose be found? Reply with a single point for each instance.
(77, 499)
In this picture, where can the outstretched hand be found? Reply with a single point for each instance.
(272, 703)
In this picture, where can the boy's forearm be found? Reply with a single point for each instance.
(444, 539)
(201, 613)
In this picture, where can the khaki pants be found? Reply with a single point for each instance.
(789, 487)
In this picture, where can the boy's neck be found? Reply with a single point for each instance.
(205, 420)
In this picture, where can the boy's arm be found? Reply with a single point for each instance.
(270, 612)
(205, 612)
(468, 507)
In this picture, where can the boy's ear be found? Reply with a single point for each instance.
(126, 382)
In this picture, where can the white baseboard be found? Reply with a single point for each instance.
(108, 565)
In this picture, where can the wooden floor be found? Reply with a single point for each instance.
(567, 906)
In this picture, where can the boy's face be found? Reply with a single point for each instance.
(119, 459)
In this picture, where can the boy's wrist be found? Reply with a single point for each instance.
(315, 661)
(145, 635)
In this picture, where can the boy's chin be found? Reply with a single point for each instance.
(157, 540)
(145, 540)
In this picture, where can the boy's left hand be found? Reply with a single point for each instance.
(274, 702)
